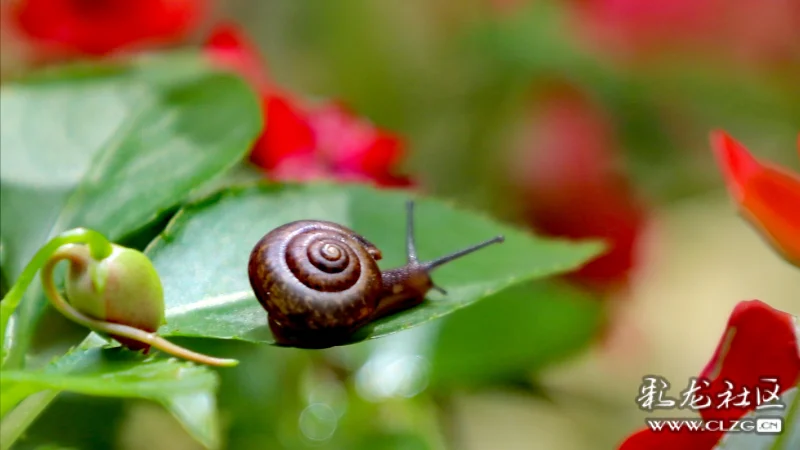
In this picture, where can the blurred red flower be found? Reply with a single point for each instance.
(679, 440)
(573, 187)
(760, 343)
(99, 27)
(301, 143)
(767, 195)
(227, 46)
(743, 29)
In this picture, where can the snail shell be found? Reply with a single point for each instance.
(315, 275)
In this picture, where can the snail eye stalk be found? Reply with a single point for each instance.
(411, 246)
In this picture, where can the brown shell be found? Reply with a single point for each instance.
(315, 276)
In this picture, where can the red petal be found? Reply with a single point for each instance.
(228, 36)
(646, 29)
(229, 47)
(396, 181)
(609, 212)
(681, 440)
(353, 148)
(100, 27)
(570, 159)
(384, 152)
(342, 138)
(287, 135)
(379, 161)
(301, 167)
(767, 195)
(738, 165)
(759, 342)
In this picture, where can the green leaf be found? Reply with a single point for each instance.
(202, 256)
(111, 149)
(518, 330)
(405, 441)
(187, 389)
(54, 447)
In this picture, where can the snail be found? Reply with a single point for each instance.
(319, 281)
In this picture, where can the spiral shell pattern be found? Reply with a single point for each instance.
(315, 275)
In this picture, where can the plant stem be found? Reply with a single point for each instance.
(99, 248)
(21, 417)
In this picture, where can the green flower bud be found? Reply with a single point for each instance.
(123, 288)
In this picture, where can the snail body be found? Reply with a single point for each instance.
(319, 281)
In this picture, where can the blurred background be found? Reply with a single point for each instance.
(574, 118)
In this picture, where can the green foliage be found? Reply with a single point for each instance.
(122, 147)
(527, 326)
(111, 130)
(173, 115)
(202, 256)
(108, 130)
(186, 389)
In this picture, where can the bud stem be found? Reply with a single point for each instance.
(99, 247)
(117, 329)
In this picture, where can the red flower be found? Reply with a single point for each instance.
(98, 27)
(573, 187)
(679, 440)
(326, 142)
(767, 195)
(760, 343)
(300, 143)
(229, 47)
(742, 29)
(635, 26)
